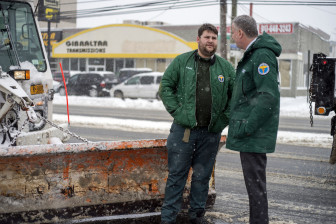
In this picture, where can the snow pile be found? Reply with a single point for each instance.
(109, 102)
(116, 124)
(297, 107)
(289, 107)
(305, 139)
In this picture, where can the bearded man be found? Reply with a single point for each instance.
(196, 90)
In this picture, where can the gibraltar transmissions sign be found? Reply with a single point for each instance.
(122, 41)
(88, 46)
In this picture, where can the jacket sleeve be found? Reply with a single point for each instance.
(266, 101)
(168, 86)
(232, 77)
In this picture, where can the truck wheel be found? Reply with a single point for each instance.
(93, 93)
(118, 94)
(62, 91)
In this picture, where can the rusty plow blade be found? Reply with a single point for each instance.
(55, 183)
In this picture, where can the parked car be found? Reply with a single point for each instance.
(57, 76)
(109, 77)
(126, 73)
(91, 84)
(144, 85)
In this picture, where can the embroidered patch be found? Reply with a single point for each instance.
(221, 78)
(263, 69)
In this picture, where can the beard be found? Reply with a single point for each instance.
(204, 51)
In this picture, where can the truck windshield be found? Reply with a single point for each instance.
(19, 36)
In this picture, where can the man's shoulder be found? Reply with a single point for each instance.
(220, 59)
(263, 53)
(186, 54)
(183, 58)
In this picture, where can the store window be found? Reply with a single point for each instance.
(74, 65)
(109, 64)
(129, 63)
(65, 64)
(82, 64)
(96, 61)
(119, 65)
(285, 73)
(160, 64)
(151, 63)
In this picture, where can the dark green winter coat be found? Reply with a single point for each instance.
(178, 91)
(256, 99)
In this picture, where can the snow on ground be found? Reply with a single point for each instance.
(289, 107)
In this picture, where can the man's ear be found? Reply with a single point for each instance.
(198, 38)
(240, 33)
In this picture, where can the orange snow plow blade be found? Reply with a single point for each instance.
(54, 183)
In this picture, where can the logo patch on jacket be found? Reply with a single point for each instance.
(221, 78)
(263, 69)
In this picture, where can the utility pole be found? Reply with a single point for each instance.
(251, 9)
(223, 9)
(233, 14)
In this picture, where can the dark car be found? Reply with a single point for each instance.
(109, 77)
(90, 84)
(126, 73)
(57, 76)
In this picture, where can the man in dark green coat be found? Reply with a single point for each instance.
(196, 90)
(254, 117)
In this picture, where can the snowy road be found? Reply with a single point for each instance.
(301, 187)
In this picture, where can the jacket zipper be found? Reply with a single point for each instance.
(196, 70)
(211, 96)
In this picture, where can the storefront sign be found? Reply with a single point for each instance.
(49, 10)
(87, 46)
(122, 41)
(55, 36)
(276, 28)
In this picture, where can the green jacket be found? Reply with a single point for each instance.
(256, 99)
(178, 91)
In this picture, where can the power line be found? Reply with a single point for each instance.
(166, 5)
(135, 8)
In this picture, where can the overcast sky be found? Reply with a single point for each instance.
(323, 17)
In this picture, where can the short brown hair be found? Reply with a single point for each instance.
(208, 27)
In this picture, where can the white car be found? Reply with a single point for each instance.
(144, 85)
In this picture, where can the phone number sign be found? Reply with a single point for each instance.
(276, 28)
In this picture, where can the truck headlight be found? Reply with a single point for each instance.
(20, 74)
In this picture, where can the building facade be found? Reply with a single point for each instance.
(117, 46)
